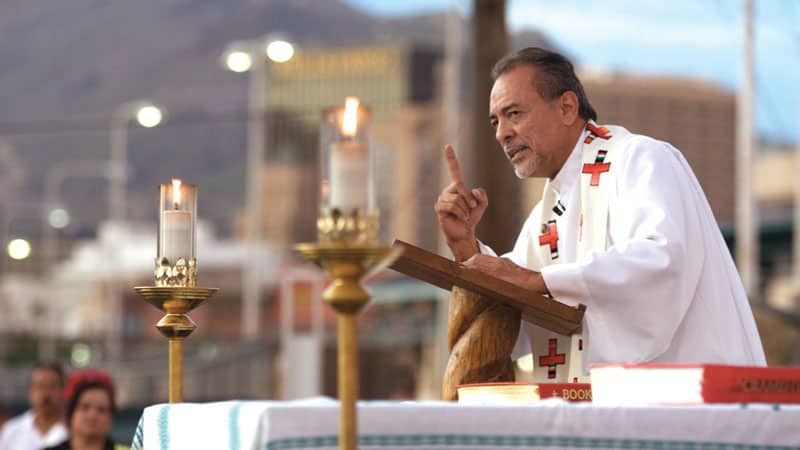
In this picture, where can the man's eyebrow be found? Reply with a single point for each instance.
(509, 107)
(504, 110)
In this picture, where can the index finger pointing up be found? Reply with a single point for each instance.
(452, 163)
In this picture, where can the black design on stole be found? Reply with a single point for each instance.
(559, 208)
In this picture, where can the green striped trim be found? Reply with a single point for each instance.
(463, 440)
(138, 435)
(233, 427)
(163, 427)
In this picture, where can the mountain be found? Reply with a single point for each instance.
(67, 66)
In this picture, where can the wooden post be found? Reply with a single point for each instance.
(480, 335)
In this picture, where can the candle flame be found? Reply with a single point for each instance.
(350, 119)
(176, 192)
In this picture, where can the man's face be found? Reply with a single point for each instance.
(46, 392)
(532, 132)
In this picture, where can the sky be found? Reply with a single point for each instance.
(700, 38)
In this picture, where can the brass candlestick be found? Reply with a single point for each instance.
(347, 241)
(175, 291)
(347, 265)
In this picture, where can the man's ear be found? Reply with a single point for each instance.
(568, 108)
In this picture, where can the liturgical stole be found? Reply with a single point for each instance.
(559, 358)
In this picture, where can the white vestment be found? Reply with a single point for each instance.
(20, 433)
(665, 289)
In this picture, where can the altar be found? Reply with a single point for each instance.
(552, 424)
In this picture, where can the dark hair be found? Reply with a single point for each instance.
(72, 401)
(554, 76)
(52, 366)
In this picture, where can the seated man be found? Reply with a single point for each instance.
(43, 425)
(623, 227)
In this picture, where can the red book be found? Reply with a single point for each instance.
(521, 393)
(573, 392)
(647, 384)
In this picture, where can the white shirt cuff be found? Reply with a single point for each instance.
(565, 283)
(485, 249)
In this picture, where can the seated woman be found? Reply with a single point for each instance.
(90, 411)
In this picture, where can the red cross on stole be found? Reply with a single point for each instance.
(549, 237)
(597, 168)
(596, 132)
(552, 359)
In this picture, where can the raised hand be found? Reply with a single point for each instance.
(459, 209)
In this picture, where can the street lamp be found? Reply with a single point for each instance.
(19, 249)
(18, 211)
(238, 61)
(147, 115)
(55, 216)
(58, 218)
(249, 56)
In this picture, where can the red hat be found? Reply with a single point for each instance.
(84, 376)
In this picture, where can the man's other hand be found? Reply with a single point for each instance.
(507, 270)
(459, 210)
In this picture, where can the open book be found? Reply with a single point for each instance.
(444, 273)
(647, 384)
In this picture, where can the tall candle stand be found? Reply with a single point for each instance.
(175, 291)
(347, 263)
(346, 245)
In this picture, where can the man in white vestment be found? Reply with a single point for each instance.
(43, 425)
(626, 229)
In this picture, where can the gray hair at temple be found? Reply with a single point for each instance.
(554, 76)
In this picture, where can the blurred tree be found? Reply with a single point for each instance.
(21, 350)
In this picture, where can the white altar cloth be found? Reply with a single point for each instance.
(550, 424)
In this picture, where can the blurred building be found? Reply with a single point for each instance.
(697, 117)
(775, 178)
(385, 77)
(398, 82)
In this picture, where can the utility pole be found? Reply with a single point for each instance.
(796, 233)
(500, 223)
(254, 217)
(451, 120)
(746, 213)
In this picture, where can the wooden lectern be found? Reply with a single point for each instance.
(484, 317)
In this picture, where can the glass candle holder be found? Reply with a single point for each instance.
(348, 213)
(177, 222)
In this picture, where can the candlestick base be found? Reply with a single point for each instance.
(176, 325)
(348, 264)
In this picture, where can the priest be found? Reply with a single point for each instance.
(623, 227)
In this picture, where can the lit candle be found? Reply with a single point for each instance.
(349, 164)
(176, 228)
